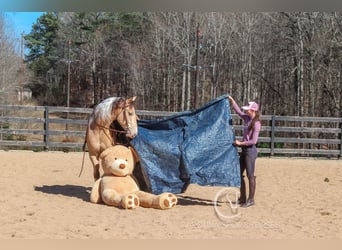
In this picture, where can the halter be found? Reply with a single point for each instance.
(115, 130)
(108, 128)
(111, 129)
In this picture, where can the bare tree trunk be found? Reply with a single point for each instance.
(188, 90)
(301, 69)
(10, 65)
(183, 88)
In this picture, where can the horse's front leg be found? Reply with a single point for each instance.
(93, 149)
(93, 143)
(96, 167)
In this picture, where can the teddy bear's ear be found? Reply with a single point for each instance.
(105, 153)
(135, 154)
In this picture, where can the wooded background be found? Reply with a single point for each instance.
(291, 63)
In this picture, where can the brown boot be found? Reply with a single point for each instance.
(250, 200)
(242, 198)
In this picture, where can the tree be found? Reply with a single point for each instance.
(42, 45)
(11, 75)
(289, 62)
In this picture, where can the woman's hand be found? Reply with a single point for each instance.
(232, 101)
(237, 143)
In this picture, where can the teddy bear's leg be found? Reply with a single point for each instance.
(130, 201)
(162, 201)
(95, 195)
(110, 197)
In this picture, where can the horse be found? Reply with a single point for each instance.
(100, 135)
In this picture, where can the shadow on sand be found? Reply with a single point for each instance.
(83, 193)
(193, 201)
(80, 192)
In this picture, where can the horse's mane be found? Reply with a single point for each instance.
(103, 111)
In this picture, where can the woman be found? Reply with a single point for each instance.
(249, 152)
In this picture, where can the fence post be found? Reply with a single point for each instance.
(272, 134)
(46, 128)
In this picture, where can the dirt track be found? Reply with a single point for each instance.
(42, 197)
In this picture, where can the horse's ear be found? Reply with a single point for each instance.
(132, 99)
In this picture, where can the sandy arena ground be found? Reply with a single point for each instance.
(42, 197)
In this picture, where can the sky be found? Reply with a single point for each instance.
(22, 21)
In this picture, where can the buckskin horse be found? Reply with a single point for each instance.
(100, 134)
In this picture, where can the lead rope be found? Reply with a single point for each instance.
(84, 151)
(103, 127)
(79, 175)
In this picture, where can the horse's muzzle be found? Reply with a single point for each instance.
(131, 133)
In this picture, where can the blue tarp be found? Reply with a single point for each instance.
(189, 147)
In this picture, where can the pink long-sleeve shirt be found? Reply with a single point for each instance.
(249, 137)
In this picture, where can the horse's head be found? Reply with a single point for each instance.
(127, 117)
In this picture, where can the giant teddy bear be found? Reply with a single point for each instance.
(117, 187)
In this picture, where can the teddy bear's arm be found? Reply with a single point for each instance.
(95, 195)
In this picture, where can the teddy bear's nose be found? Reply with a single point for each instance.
(122, 166)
